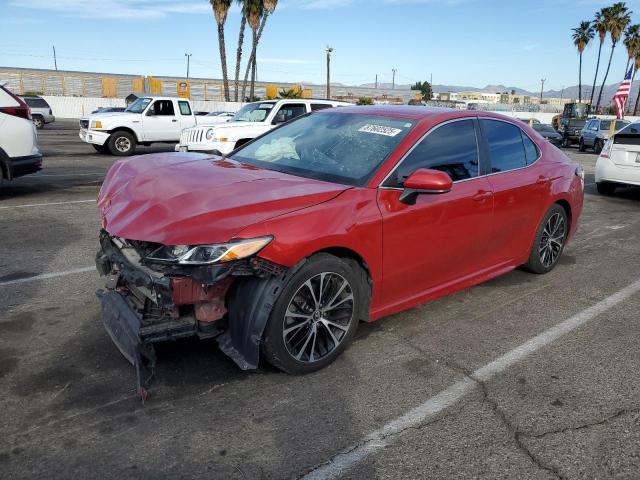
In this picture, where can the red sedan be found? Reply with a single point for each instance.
(342, 216)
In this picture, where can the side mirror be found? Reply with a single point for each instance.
(425, 181)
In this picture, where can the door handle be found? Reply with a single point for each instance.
(482, 195)
(174, 121)
(542, 180)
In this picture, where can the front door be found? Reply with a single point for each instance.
(443, 238)
(160, 122)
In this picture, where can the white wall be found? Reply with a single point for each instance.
(77, 107)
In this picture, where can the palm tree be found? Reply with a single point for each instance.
(220, 11)
(582, 35)
(617, 18)
(637, 66)
(243, 24)
(631, 42)
(253, 10)
(600, 26)
(269, 8)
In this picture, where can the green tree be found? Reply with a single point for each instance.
(600, 27)
(582, 35)
(220, 11)
(424, 88)
(294, 92)
(631, 42)
(365, 101)
(617, 17)
(257, 13)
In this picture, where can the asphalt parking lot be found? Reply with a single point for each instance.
(416, 395)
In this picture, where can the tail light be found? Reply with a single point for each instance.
(606, 149)
(22, 110)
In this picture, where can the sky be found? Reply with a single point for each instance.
(457, 42)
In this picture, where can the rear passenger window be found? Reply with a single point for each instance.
(451, 148)
(320, 106)
(185, 109)
(506, 149)
(530, 149)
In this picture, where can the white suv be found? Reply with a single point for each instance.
(19, 154)
(251, 121)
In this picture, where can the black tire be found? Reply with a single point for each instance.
(597, 146)
(566, 143)
(581, 146)
(122, 143)
(100, 148)
(606, 188)
(38, 121)
(545, 253)
(340, 327)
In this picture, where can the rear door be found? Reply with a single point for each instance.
(442, 238)
(187, 119)
(520, 186)
(160, 122)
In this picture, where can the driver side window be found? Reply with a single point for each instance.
(289, 111)
(451, 148)
(162, 108)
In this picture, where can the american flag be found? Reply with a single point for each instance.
(622, 95)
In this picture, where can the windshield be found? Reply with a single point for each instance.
(543, 128)
(606, 125)
(345, 148)
(138, 106)
(254, 112)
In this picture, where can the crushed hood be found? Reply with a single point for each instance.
(191, 199)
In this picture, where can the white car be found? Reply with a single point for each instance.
(619, 161)
(19, 154)
(148, 120)
(216, 117)
(251, 121)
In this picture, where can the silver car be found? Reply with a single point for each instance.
(41, 112)
(596, 132)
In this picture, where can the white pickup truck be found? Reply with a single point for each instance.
(251, 121)
(148, 120)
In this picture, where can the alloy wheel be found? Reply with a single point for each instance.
(318, 317)
(122, 144)
(552, 240)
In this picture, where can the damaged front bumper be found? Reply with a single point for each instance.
(145, 303)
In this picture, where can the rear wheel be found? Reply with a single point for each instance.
(316, 315)
(549, 241)
(597, 146)
(606, 188)
(121, 143)
(581, 146)
(38, 121)
(566, 143)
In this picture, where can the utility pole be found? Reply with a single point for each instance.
(393, 82)
(562, 93)
(55, 60)
(376, 81)
(542, 80)
(188, 55)
(329, 50)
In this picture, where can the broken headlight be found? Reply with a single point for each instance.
(208, 254)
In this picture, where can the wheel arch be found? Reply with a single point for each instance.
(567, 208)
(125, 129)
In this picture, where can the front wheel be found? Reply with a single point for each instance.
(121, 144)
(316, 315)
(581, 146)
(549, 241)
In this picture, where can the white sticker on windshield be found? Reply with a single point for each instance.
(380, 130)
(265, 105)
